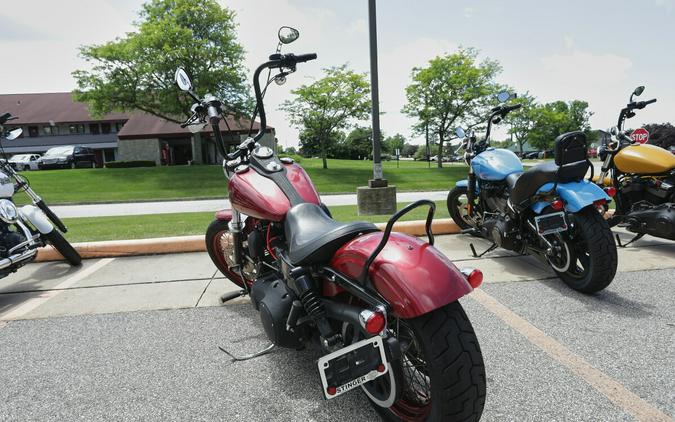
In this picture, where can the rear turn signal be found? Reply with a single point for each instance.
(557, 205)
(372, 322)
(610, 191)
(473, 275)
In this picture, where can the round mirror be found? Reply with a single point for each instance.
(280, 79)
(503, 96)
(638, 91)
(287, 34)
(183, 80)
(460, 132)
(13, 134)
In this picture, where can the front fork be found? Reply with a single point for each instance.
(236, 226)
(471, 192)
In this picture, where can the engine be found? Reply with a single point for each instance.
(274, 300)
(495, 195)
(637, 190)
(654, 220)
(8, 240)
(502, 230)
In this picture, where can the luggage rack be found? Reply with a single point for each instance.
(390, 226)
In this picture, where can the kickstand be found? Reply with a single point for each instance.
(636, 237)
(490, 249)
(264, 351)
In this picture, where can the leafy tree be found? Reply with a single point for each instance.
(662, 135)
(410, 150)
(421, 153)
(556, 118)
(136, 72)
(522, 121)
(311, 147)
(359, 144)
(392, 143)
(452, 89)
(328, 105)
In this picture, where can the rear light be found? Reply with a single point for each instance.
(372, 321)
(610, 191)
(473, 275)
(557, 205)
(331, 390)
(600, 202)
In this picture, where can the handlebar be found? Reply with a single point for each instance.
(511, 108)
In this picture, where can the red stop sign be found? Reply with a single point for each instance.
(640, 135)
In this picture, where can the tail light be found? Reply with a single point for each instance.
(557, 205)
(610, 191)
(473, 275)
(600, 202)
(372, 321)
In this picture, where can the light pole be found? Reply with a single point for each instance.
(377, 197)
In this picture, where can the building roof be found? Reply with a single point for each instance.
(44, 108)
(143, 125)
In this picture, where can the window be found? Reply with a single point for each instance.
(33, 131)
(118, 126)
(94, 129)
(109, 154)
(50, 130)
(105, 127)
(76, 128)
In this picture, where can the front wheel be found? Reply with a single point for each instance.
(589, 253)
(457, 207)
(442, 371)
(56, 239)
(220, 246)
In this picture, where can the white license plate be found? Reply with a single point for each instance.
(325, 364)
(551, 223)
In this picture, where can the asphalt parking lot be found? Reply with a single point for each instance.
(137, 339)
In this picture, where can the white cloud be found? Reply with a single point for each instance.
(666, 4)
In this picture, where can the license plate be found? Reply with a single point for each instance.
(352, 366)
(551, 223)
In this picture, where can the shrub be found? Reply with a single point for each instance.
(127, 164)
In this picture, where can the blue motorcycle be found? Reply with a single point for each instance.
(549, 211)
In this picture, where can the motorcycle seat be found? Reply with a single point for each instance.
(313, 237)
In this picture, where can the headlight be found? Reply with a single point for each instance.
(8, 212)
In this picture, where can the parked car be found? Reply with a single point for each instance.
(67, 157)
(24, 161)
(545, 154)
(593, 152)
(531, 155)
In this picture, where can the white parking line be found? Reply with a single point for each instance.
(630, 402)
(33, 303)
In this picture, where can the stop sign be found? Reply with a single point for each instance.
(640, 135)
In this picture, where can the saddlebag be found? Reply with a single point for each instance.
(658, 221)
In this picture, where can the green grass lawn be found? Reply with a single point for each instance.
(192, 182)
(146, 226)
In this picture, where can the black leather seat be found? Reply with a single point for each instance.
(313, 237)
(570, 165)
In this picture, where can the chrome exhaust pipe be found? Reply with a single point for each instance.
(16, 258)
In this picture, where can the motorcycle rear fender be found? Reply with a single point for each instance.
(413, 276)
(37, 218)
(576, 195)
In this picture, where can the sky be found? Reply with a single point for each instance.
(597, 51)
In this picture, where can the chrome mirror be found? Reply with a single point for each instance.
(287, 34)
(183, 80)
(460, 132)
(503, 96)
(638, 91)
(13, 134)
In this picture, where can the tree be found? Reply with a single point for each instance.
(329, 104)
(409, 150)
(452, 89)
(392, 143)
(359, 143)
(136, 72)
(522, 121)
(662, 135)
(311, 147)
(556, 118)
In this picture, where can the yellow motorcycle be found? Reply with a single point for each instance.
(641, 178)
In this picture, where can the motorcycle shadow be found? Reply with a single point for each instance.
(292, 374)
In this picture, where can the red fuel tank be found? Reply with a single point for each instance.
(259, 197)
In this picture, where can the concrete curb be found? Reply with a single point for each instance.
(179, 244)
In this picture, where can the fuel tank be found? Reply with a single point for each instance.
(259, 197)
(495, 164)
(644, 159)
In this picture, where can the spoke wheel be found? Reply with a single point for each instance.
(457, 203)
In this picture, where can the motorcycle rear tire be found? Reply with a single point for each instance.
(56, 239)
(454, 365)
(601, 247)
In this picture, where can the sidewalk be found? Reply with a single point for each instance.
(207, 205)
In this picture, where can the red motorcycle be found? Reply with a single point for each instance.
(382, 307)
